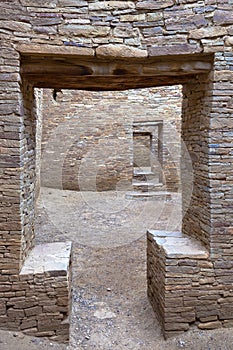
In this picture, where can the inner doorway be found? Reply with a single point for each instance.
(142, 150)
(148, 144)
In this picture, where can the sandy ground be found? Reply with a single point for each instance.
(110, 307)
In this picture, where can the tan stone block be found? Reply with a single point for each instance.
(2, 308)
(210, 325)
(54, 50)
(3, 319)
(15, 26)
(15, 313)
(48, 324)
(205, 264)
(226, 312)
(24, 303)
(154, 17)
(208, 319)
(210, 32)
(223, 17)
(229, 41)
(9, 294)
(31, 331)
(28, 324)
(32, 311)
(154, 5)
(19, 286)
(119, 51)
(62, 301)
(5, 287)
(50, 308)
(87, 31)
(179, 326)
(228, 323)
(133, 18)
(111, 5)
(172, 50)
(71, 3)
(207, 280)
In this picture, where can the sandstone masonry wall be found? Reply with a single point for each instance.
(100, 126)
(138, 43)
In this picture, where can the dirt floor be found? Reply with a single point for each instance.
(110, 307)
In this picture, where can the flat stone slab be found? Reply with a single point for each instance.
(48, 257)
(147, 183)
(54, 50)
(143, 171)
(151, 195)
(158, 233)
(178, 246)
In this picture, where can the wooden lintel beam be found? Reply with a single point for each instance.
(81, 68)
(60, 81)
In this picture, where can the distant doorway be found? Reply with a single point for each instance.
(147, 148)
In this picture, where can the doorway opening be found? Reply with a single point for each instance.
(148, 148)
(80, 132)
(142, 150)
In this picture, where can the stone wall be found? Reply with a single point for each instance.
(39, 107)
(117, 45)
(181, 283)
(196, 123)
(100, 128)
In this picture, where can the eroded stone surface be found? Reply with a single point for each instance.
(118, 51)
(178, 246)
(48, 258)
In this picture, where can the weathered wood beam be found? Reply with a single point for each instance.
(101, 83)
(99, 68)
(93, 73)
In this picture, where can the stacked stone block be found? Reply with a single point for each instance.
(37, 301)
(182, 286)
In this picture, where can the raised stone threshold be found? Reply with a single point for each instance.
(144, 174)
(150, 195)
(147, 186)
(177, 245)
(39, 302)
(182, 287)
(51, 258)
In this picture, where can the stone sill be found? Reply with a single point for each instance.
(48, 258)
(176, 245)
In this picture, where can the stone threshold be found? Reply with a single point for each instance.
(46, 258)
(42, 307)
(176, 245)
(151, 195)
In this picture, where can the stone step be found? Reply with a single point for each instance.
(146, 177)
(147, 186)
(142, 170)
(144, 174)
(151, 195)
